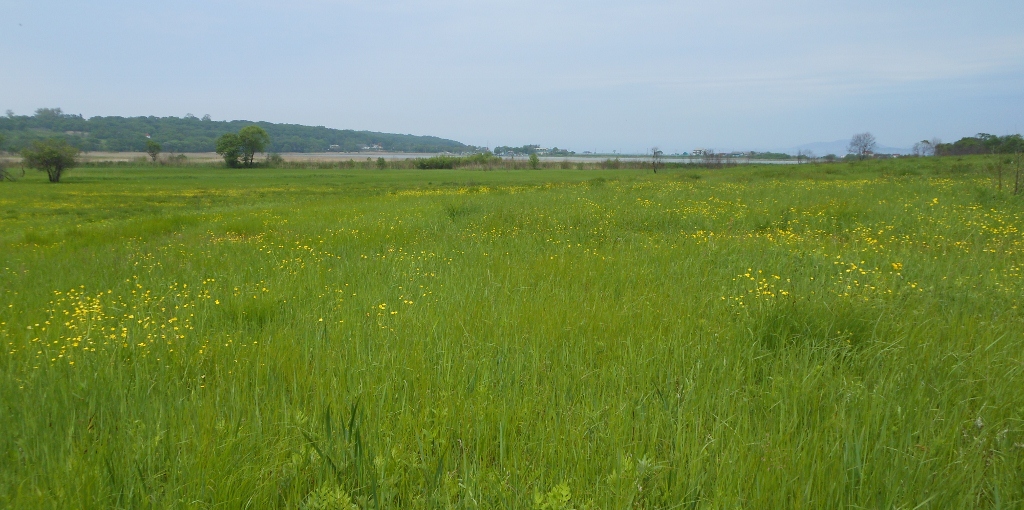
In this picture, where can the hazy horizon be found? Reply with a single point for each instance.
(583, 76)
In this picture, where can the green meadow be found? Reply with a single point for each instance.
(814, 336)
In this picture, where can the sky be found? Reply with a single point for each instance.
(583, 75)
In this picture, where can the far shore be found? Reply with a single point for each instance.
(210, 157)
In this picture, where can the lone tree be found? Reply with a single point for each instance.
(925, 147)
(230, 148)
(862, 145)
(54, 156)
(245, 144)
(656, 157)
(153, 148)
(534, 161)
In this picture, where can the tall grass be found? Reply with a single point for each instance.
(838, 336)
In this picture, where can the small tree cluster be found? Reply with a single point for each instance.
(244, 144)
(982, 143)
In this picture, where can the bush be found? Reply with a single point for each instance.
(177, 160)
(437, 163)
(450, 162)
(273, 160)
(483, 158)
(611, 164)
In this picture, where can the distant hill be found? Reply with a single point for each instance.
(192, 134)
(838, 148)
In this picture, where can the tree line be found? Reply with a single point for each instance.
(982, 143)
(194, 134)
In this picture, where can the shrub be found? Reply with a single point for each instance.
(273, 160)
(483, 158)
(437, 163)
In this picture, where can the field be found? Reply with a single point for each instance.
(833, 336)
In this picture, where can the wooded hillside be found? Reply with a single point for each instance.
(192, 134)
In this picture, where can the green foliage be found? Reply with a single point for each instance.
(190, 134)
(53, 156)
(153, 149)
(556, 499)
(505, 150)
(481, 158)
(229, 146)
(982, 143)
(450, 162)
(244, 144)
(329, 498)
(437, 163)
(381, 164)
(534, 161)
(252, 139)
(772, 155)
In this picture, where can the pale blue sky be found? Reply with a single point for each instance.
(603, 75)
